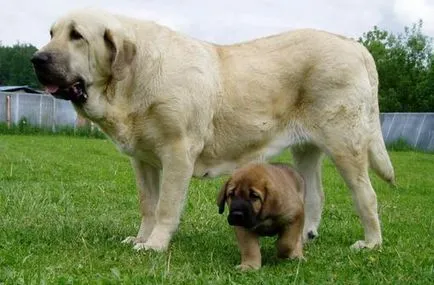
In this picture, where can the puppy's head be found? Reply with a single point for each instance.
(88, 48)
(249, 196)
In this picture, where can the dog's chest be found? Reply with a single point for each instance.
(129, 147)
(125, 148)
(267, 228)
(144, 155)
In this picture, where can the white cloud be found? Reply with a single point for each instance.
(224, 21)
(410, 11)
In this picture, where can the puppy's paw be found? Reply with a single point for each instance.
(247, 267)
(295, 255)
(298, 257)
(361, 244)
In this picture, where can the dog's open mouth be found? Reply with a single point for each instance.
(75, 92)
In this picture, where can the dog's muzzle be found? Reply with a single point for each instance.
(54, 80)
(241, 214)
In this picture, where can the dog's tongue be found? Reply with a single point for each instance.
(51, 88)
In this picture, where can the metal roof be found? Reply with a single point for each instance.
(24, 88)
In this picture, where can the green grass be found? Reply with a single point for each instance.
(66, 203)
(23, 128)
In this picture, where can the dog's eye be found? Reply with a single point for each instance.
(75, 36)
(231, 194)
(51, 34)
(253, 195)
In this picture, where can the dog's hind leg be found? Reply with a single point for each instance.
(290, 243)
(148, 183)
(352, 163)
(308, 161)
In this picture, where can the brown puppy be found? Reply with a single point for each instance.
(265, 200)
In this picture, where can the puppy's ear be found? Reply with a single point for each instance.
(221, 198)
(271, 203)
(123, 52)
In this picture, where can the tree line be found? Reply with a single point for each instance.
(405, 64)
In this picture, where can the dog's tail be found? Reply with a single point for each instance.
(379, 159)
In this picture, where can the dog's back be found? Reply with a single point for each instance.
(294, 174)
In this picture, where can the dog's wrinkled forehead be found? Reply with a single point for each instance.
(64, 26)
(242, 185)
(89, 23)
(250, 177)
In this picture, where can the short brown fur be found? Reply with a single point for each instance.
(278, 203)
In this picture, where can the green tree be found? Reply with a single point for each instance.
(15, 65)
(405, 67)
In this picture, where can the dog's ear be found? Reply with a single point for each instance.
(271, 203)
(221, 198)
(123, 52)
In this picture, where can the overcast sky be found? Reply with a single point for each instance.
(224, 21)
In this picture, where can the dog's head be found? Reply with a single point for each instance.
(250, 197)
(87, 48)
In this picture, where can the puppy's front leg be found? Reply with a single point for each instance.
(248, 242)
(177, 170)
(148, 183)
(289, 244)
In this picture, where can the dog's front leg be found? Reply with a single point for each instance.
(176, 174)
(248, 242)
(148, 183)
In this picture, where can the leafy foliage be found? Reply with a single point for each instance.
(15, 65)
(405, 64)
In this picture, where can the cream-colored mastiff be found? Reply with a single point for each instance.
(180, 107)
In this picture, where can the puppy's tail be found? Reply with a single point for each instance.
(379, 159)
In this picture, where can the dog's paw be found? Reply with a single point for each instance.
(300, 258)
(133, 240)
(155, 242)
(247, 267)
(148, 246)
(129, 239)
(361, 244)
(140, 246)
(310, 235)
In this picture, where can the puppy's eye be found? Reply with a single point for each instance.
(51, 34)
(75, 36)
(231, 194)
(253, 195)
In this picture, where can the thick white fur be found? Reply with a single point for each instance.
(180, 107)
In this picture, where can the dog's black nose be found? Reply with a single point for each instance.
(40, 58)
(238, 215)
(236, 218)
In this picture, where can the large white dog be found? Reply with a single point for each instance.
(180, 107)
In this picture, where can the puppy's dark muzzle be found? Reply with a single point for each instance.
(236, 218)
(241, 214)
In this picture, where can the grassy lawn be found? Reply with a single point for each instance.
(66, 203)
